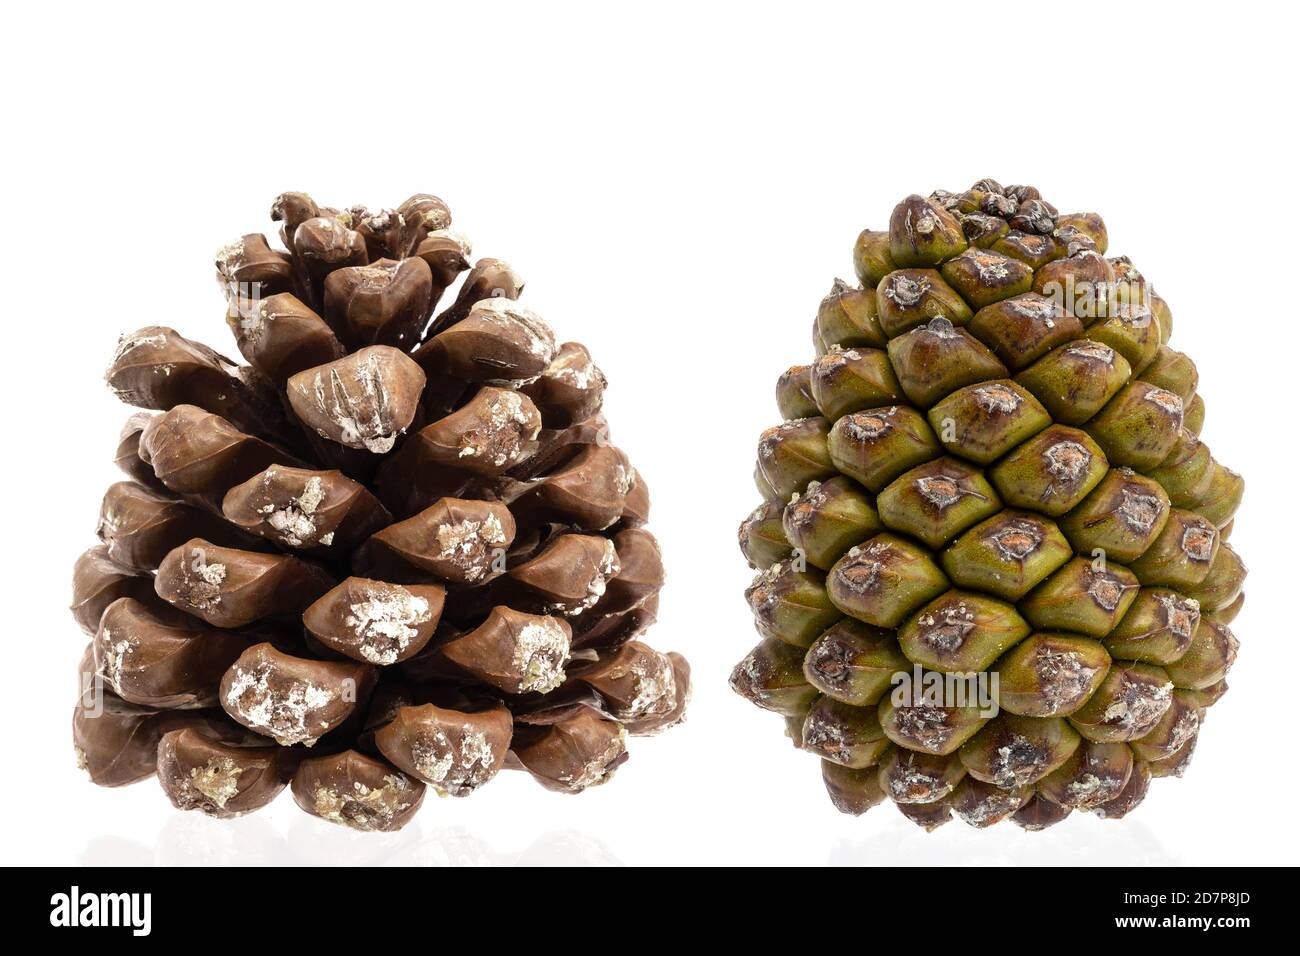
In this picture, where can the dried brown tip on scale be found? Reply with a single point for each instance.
(140, 526)
(156, 367)
(384, 302)
(249, 268)
(573, 754)
(159, 661)
(292, 209)
(633, 591)
(395, 531)
(98, 581)
(455, 540)
(569, 575)
(375, 622)
(116, 742)
(193, 452)
(570, 389)
(127, 456)
(321, 245)
(446, 253)
(365, 400)
(608, 632)
(221, 781)
(356, 791)
(453, 751)
(515, 652)
(640, 573)
(292, 700)
(490, 434)
(398, 232)
(591, 492)
(488, 279)
(280, 336)
(641, 688)
(228, 587)
(305, 510)
(498, 342)
(991, 470)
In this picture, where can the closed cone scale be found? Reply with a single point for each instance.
(991, 468)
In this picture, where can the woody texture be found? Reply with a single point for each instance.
(391, 551)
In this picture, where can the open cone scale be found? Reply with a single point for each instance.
(393, 551)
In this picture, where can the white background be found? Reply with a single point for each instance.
(678, 185)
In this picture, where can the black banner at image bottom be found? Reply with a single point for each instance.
(194, 904)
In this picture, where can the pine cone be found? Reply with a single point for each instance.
(992, 468)
(394, 550)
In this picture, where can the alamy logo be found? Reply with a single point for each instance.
(921, 688)
(75, 908)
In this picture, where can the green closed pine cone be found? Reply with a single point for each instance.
(992, 467)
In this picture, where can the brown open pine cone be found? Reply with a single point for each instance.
(395, 550)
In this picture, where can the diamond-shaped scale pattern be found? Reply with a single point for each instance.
(992, 464)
